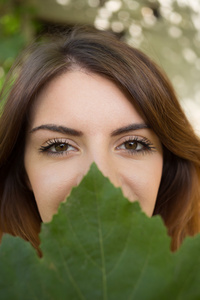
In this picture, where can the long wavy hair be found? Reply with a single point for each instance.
(148, 89)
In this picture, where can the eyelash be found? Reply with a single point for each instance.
(147, 146)
(55, 142)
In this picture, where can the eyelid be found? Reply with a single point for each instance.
(148, 145)
(44, 148)
(61, 140)
(131, 138)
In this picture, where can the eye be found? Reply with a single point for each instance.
(57, 147)
(136, 145)
(132, 145)
(60, 147)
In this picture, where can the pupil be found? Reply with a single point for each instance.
(131, 145)
(61, 147)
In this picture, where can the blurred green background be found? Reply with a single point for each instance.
(167, 30)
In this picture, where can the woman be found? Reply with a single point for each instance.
(86, 96)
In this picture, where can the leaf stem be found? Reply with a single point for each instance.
(104, 279)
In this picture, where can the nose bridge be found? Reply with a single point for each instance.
(104, 160)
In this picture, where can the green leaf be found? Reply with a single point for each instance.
(100, 246)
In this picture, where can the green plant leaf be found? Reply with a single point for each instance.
(100, 246)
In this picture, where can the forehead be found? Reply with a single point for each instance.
(81, 97)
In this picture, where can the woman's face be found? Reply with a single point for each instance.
(80, 118)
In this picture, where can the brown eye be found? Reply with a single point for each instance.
(136, 146)
(58, 147)
(132, 145)
(61, 147)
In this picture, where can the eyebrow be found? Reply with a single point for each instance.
(131, 127)
(73, 132)
(56, 128)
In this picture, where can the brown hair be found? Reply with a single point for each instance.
(151, 94)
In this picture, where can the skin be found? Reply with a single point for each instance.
(80, 118)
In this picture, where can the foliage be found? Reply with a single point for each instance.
(100, 246)
(16, 30)
(168, 31)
